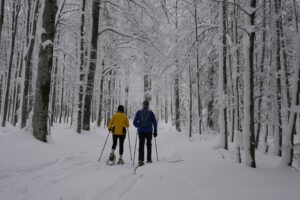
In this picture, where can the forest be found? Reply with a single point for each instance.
(225, 66)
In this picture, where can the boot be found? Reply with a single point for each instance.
(141, 163)
(112, 157)
(121, 161)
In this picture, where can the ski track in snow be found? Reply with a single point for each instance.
(48, 172)
(119, 188)
(126, 184)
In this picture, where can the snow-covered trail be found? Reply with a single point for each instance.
(67, 169)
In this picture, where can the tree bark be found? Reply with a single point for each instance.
(92, 67)
(190, 102)
(261, 79)
(278, 138)
(177, 77)
(1, 92)
(223, 78)
(249, 100)
(62, 93)
(16, 9)
(53, 96)
(28, 59)
(177, 104)
(1, 16)
(288, 143)
(40, 115)
(100, 109)
(81, 68)
(127, 90)
(198, 69)
(166, 105)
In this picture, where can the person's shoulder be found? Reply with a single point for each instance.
(151, 111)
(138, 112)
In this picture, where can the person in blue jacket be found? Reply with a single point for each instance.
(146, 124)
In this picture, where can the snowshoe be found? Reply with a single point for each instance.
(111, 160)
(141, 163)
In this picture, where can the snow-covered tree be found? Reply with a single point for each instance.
(46, 31)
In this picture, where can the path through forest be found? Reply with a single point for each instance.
(67, 169)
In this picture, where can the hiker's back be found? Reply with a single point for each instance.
(145, 121)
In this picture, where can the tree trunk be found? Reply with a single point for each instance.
(147, 86)
(81, 68)
(190, 102)
(127, 90)
(100, 109)
(109, 97)
(62, 93)
(223, 78)
(1, 92)
(15, 14)
(210, 106)
(288, 142)
(248, 128)
(166, 105)
(172, 105)
(1, 16)
(53, 100)
(261, 78)
(278, 138)
(177, 77)
(28, 59)
(296, 15)
(92, 68)
(198, 69)
(18, 74)
(177, 103)
(40, 115)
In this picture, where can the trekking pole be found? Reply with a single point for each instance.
(104, 146)
(129, 144)
(134, 148)
(156, 148)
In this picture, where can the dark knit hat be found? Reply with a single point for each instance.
(146, 103)
(120, 108)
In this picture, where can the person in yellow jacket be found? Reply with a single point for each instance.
(117, 125)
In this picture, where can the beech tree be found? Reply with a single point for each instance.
(41, 102)
(92, 66)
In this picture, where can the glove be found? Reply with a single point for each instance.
(155, 133)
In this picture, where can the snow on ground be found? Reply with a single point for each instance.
(190, 169)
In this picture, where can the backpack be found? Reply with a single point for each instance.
(146, 121)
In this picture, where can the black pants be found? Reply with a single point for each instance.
(121, 142)
(142, 138)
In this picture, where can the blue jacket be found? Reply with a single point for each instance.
(137, 120)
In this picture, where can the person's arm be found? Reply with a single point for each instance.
(111, 122)
(154, 122)
(136, 120)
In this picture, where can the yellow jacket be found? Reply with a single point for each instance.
(118, 121)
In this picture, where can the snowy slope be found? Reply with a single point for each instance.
(67, 169)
